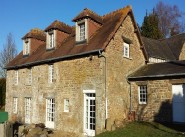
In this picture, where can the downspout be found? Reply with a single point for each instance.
(105, 71)
(130, 91)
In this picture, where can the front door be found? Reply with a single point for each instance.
(89, 114)
(178, 103)
(27, 110)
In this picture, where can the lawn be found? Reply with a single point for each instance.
(145, 129)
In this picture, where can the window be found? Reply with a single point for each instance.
(126, 50)
(15, 105)
(30, 76)
(51, 74)
(27, 109)
(26, 47)
(82, 31)
(66, 105)
(142, 94)
(50, 112)
(16, 77)
(50, 40)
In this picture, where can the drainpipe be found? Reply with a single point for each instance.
(130, 91)
(105, 71)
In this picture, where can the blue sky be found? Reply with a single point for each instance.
(20, 16)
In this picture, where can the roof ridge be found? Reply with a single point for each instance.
(63, 23)
(115, 11)
(93, 12)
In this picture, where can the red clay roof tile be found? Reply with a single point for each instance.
(36, 33)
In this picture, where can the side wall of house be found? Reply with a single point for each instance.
(119, 67)
(71, 78)
(159, 101)
(182, 54)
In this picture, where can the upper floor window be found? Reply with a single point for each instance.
(51, 74)
(50, 39)
(126, 50)
(142, 93)
(66, 105)
(30, 76)
(16, 77)
(26, 48)
(81, 30)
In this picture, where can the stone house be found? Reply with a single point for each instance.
(158, 88)
(75, 78)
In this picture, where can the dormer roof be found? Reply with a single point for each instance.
(60, 26)
(36, 33)
(86, 13)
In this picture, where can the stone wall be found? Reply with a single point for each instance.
(119, 67)
(71, 78)
(159, 101)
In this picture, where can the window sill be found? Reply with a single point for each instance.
(81, 42)
(127, 57)
(50, 49)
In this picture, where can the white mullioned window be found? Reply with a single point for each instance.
(51, 74)
(50, 112)
(142, 94)
(16, 77)
(30, 76)
(50, 39)
(126, 50)
(26, 48)
(82, 31)
(66, 105)
(27, 110)
(15, 100)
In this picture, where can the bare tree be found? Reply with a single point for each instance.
(8, 52)
(170, 22)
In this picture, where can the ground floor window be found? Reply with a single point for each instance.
(142, 93)
(89, 112)
(15, 100)
(50, 112)
(27, 110)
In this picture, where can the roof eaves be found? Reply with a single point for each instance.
(52, 59)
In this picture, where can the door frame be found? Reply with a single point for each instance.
(88, 131)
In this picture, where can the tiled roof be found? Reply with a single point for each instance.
(175, 43)
(37, 34)
(68, 48)
(159, 70)
(157, 49)
(60, 26)
(90, 14)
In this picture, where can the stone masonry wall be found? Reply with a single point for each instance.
(159, 101)
(71, 78)
(119, 67)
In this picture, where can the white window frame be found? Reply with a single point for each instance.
(50, 112)
(51, 39)
(51, 73)
(126, 50)
(30, 76)
(15, 102)
(28, 102)
(16, 77)
(89, 95)
(66, 105)
(79, 36)
(26, 48)
(142, 94)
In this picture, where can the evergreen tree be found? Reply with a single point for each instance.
(150, 27)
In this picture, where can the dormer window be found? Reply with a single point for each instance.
(26, 48)
(81, 31)
(51, 39)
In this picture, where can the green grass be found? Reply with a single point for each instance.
(146, 129)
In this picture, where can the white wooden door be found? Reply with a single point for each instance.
(50, 112)
(27, 110)
(89, 114)
(178, 104)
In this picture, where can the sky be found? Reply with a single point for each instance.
(20, 16)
